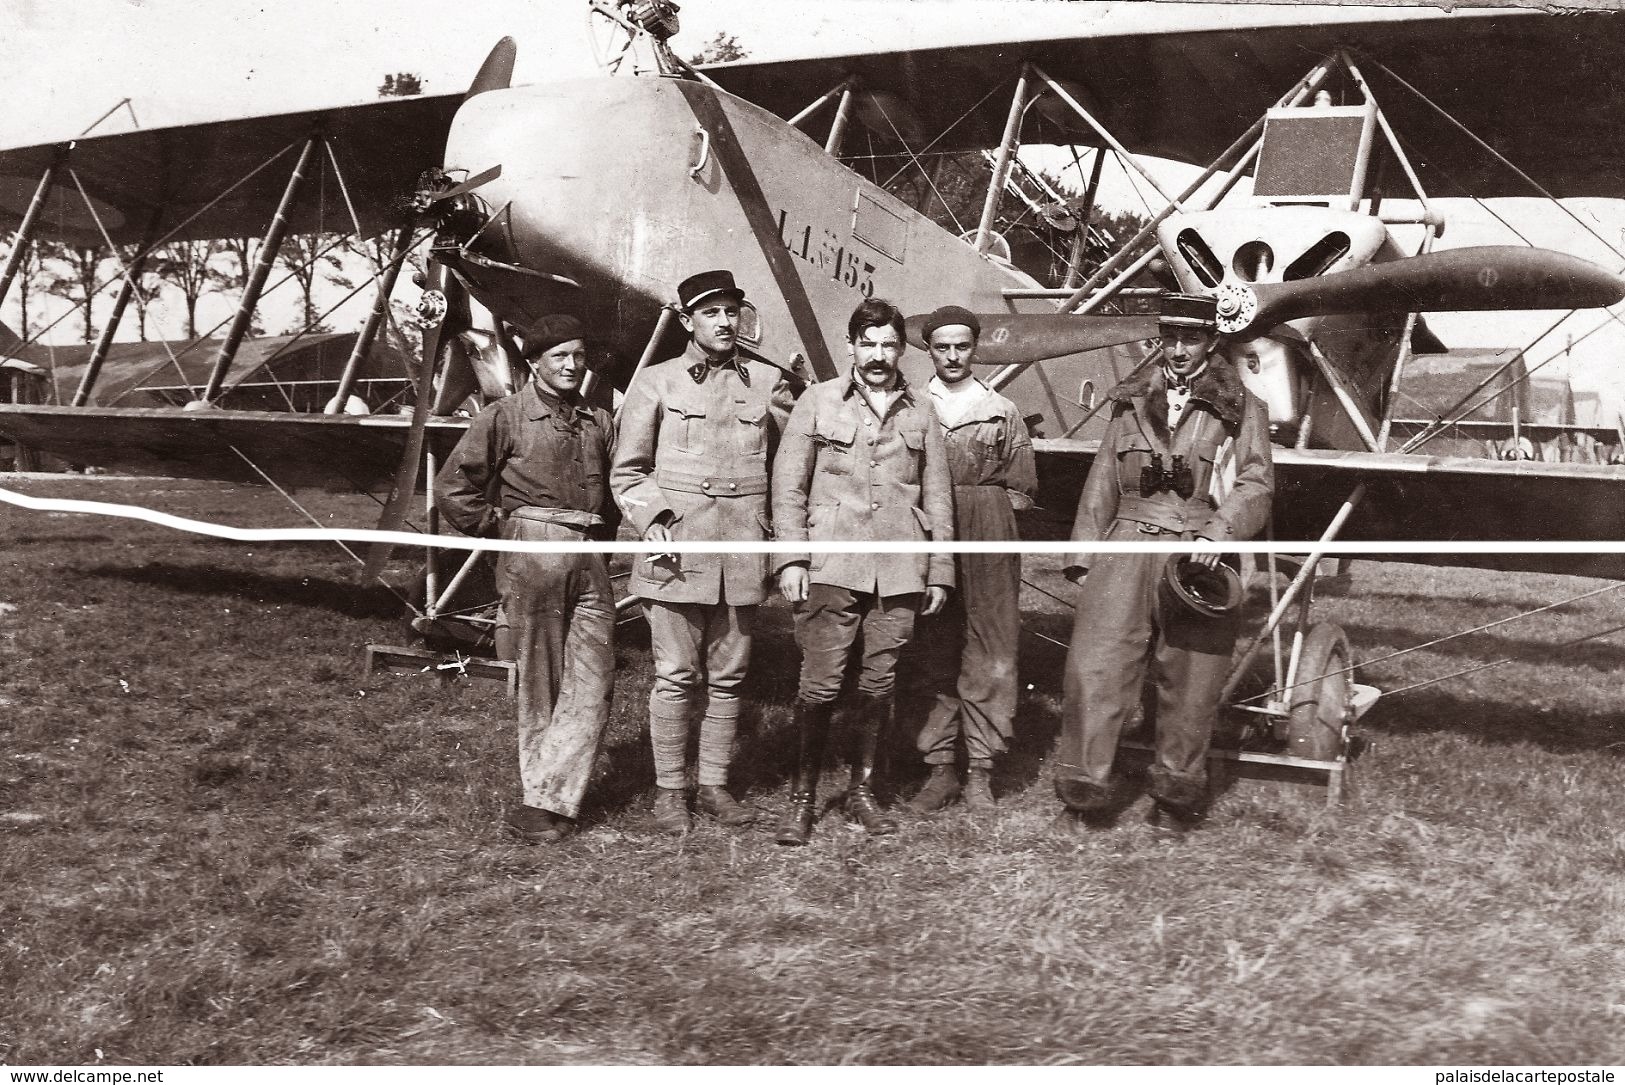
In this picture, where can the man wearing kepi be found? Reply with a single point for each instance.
(970, 652)
(532, 467)
(862, 461)
(1186, 455)
(696, 436)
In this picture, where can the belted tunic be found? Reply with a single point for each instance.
(698, 450)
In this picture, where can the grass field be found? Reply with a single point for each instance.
(221, 843)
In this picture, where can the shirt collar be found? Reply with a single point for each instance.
(940, 390)
(544, 402)
(1175, 384)
(855, 384)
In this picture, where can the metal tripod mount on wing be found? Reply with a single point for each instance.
(433, 196)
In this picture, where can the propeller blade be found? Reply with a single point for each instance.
(1491, 277)
(1016, 338)
(497, 71)
(483, 177)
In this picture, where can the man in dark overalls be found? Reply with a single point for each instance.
(970, 648)
(1186, 455)
(533, 466)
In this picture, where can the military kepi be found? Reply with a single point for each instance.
(697, 288)
(1189, 311)
(551, 330)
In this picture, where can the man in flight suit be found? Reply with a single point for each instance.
(1172, 430)
(971, 646)
(862, 460)
(532, 467)
(696, 436)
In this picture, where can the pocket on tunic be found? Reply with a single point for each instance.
(836, 438)
(685, 424)
(752, 429)
(922, 519)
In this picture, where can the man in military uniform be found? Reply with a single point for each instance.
(1186, 455)
(862, 459)
(532, 467)
(696, 436)
(971, 646)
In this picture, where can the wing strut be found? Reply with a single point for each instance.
(375, 321)
(121, 302)
(1001, 166)
(262, 269)
(25, 229)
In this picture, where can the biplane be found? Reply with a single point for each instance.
(596, 195)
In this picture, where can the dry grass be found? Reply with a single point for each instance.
(220, 843)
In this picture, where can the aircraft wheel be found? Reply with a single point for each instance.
(1320, 704)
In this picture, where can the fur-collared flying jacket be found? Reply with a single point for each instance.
(1224, 431)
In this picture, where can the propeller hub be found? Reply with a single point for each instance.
(1237, 307)
(432, 308)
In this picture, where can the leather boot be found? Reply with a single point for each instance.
(940, 790)
(715, 800)
(874, 716)
(979, 790)
(671, 810)
(812, 724)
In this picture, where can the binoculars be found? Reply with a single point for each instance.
(1180, 479)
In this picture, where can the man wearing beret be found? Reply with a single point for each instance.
(696, 436)
(862, 460)
(970, 648)
(532, 467)
(1186, 455)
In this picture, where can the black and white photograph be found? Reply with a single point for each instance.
(884, 533)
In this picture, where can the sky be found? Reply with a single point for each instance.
(188, 60)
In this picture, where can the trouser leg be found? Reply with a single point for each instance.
(991, 593)
(727, 657)
(941, 639)
(827, 625)
(1105, 664)
(1192, 663)
(676, 633)
(561, 622)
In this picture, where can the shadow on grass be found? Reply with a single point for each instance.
(1598, 655)
(1569, 730)
(342, 597)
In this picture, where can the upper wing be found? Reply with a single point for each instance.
(1183, 81)
(1412, 498)
(334, 452)
(180, 171)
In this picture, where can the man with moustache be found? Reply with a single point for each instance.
(696, 435)
(531, 467)
(1177, 437)
(862, 460)
(971, 653)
